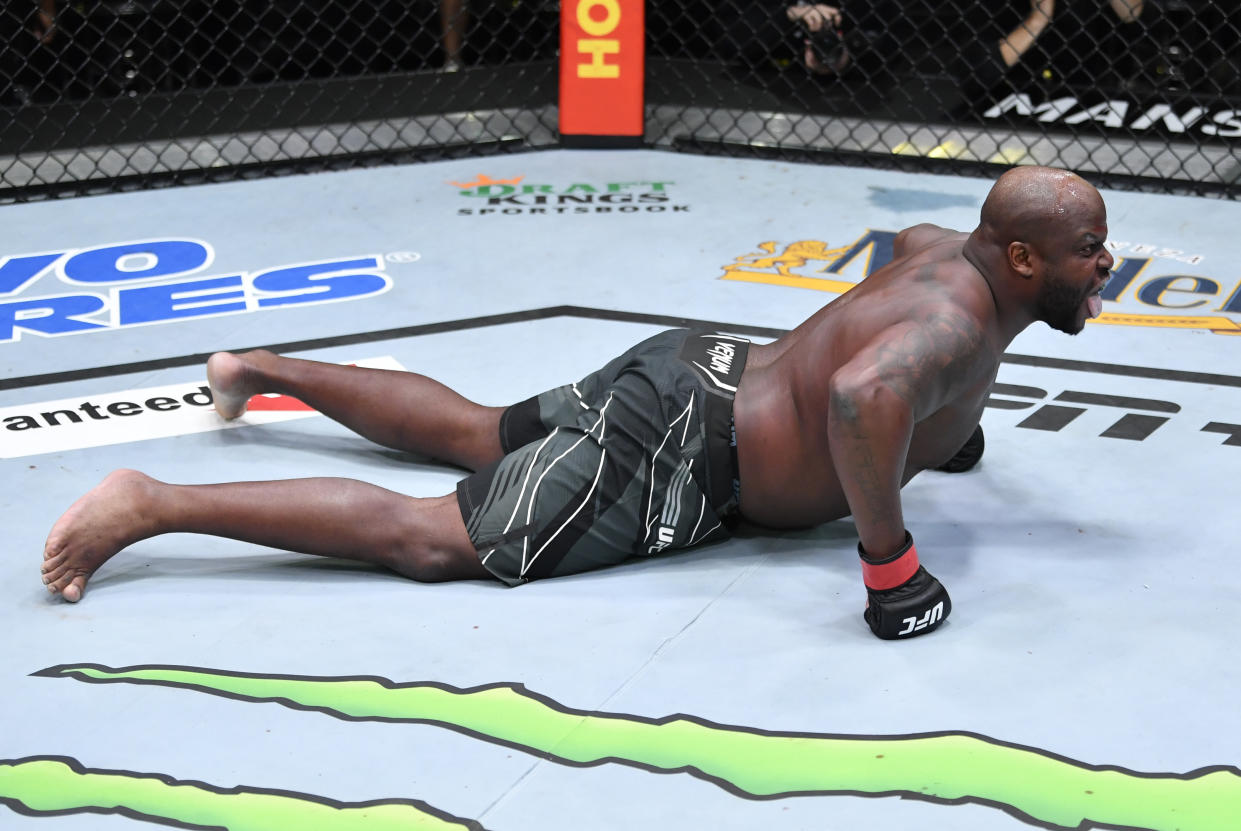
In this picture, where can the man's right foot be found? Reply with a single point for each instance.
(228, 376)
(116, 513)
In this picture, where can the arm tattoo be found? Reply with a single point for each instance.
(922, 365)
(872, 487)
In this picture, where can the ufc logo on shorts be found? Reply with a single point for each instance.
(917, 624)
(665, 540)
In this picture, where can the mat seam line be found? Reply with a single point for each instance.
(583, 312)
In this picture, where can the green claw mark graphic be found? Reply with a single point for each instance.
(1032, 785)
(55, 785)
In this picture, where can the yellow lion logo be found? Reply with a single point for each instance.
(795, 255)
(766, 266)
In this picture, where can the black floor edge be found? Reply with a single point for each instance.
(23, 382)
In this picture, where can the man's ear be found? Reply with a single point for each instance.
(1021, 258)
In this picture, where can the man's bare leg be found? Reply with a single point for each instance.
(424, 539)
(401, 410)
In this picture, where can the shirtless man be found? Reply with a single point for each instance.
(661, 448)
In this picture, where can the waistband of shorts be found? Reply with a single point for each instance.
(722, 485)
(723, 478)
(732, 451)
(718, 360)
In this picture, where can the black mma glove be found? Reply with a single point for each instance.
(903, 599)
(968, 455)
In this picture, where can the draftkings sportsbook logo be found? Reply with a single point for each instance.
(515, 196)
(1140, 293)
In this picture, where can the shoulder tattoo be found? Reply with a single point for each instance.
(940, 353)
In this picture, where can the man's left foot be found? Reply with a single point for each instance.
(228, 375)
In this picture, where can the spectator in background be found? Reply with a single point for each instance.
(819, 36)
(45, 21)
(27, 55)
(454, 20)
(1055, 40)
(823, 48)
(1019, 40)
(977, 41)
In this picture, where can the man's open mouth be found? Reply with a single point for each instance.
(1095, 301)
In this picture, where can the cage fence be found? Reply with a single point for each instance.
(1136, 92)
(133, 93)
(113, 94)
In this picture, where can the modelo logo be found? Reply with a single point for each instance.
(1183, 301)
(146, 282)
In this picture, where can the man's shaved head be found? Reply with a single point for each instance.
(1041, 243)
(1033, 203)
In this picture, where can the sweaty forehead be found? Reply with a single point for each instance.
(1073, 193)
(1044, 203)
(1078, 201)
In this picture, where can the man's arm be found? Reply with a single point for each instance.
(902, 376)
(907, 373)
(1017, 42)
(1127, 11)
(814, 16)
(45, 25)
(869, 428)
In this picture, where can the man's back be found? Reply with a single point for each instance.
(787, 473)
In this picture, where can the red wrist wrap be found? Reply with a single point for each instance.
(891, 571)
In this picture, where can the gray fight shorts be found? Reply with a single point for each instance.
(636, 459)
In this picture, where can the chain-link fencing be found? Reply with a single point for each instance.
(109, 94)
(115, 94)
(1132, 92)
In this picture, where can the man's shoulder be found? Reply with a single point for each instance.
(918, 237)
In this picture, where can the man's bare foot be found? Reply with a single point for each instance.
(116, 513)
(229, 377)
